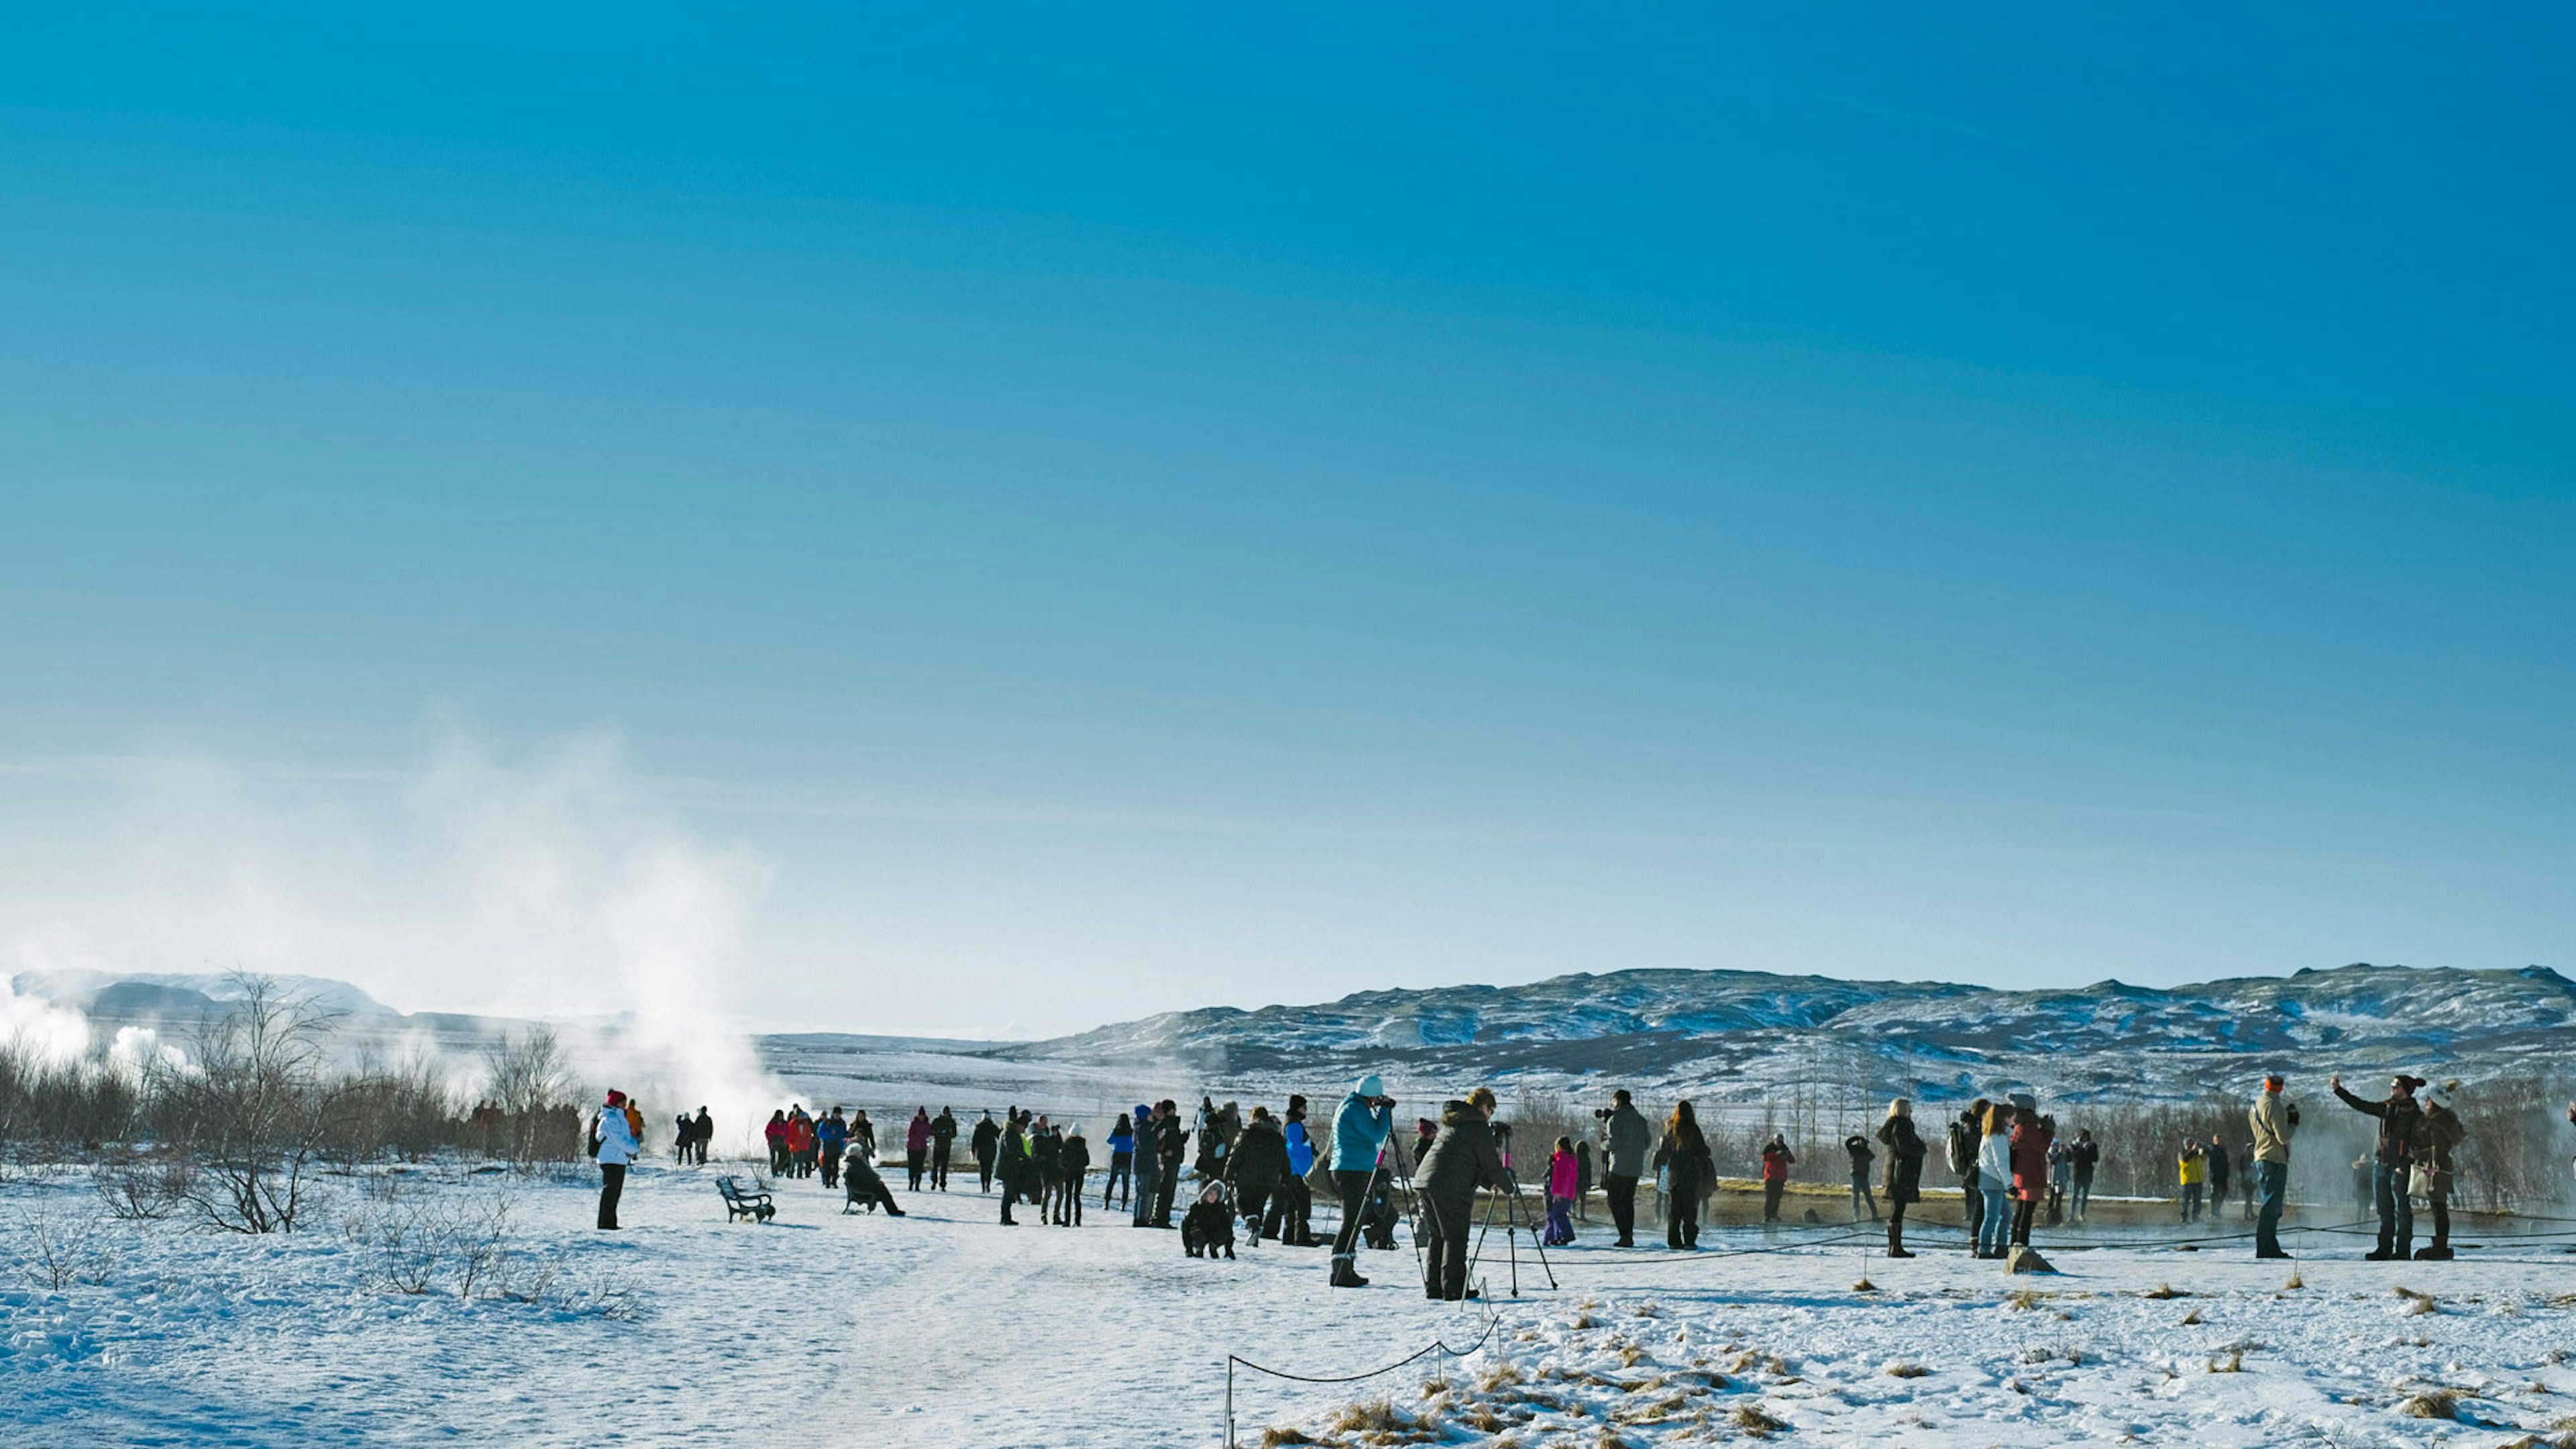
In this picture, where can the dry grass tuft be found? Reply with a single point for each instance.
(2164, 1290)
(2234, 1363)
(1500, 1376)
(2432, 1404)
(1864, 1285)
(1278, 1438)
(2191, 1318)
(1905, 1371)
(1754, 1422)
(2022, 1300)
(1371, 1416)
(2295, 1284)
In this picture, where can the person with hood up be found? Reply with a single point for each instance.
(776, 1135)
(1967, 1136)
(1776, 1161)
(615, 1133)
(1583, 1180)
(2442, 1132)
(1857, 1148)
(943, 1141)
(1122, 1164)
(1462, 1158)
(2401, 1131)
(1994, 1181)
(800, 1142)
(862, 1183)
(1625, 1141)
(2032, 1135)
(702, 1132)
(986, 1141)
(1361, 1127)
(1564, 1183)
(2272, 1119)
(1256, 1167)
(1688, 1171)
(916, 1148)
(1904, 1180)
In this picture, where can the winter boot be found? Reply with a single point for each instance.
(1346, 1272)
(2433, 1253)
(1896, 1241)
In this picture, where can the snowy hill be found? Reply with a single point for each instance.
(1738, 1034)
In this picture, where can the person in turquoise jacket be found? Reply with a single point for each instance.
(1360, 1130)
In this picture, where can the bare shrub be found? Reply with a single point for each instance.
(141, 1188)
(61, 1251)
(256, 1108)
(416, 1242)
(528, 1120)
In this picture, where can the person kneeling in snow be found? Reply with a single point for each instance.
(860, 1181)
(1209, 1224)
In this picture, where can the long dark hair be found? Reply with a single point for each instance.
(1683, 1127)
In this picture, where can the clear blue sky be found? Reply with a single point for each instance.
(1120, 508)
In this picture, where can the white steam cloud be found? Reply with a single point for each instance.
(551, 882)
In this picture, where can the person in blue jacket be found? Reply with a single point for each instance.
(1360, 1129)
(831, 1134)
(1293, 1205)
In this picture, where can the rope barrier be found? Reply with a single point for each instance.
(1436, 1346)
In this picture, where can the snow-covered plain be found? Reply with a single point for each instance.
(944, 1328)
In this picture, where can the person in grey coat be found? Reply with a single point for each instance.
(1461, 1159)
(1625, 1140)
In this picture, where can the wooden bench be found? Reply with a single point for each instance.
(744, 1202)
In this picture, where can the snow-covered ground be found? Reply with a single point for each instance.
(944, 1328)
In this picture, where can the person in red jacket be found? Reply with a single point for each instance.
(776, 1136)
(2031, 1136)
(1776, 1159)
(800, 1143)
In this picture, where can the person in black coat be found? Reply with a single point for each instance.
(1689, 1172)
(1171, 1146)
(1904, 1179)
(1257, 1167)
(1072, 1160)
(986, 1142)
(1461, 1159)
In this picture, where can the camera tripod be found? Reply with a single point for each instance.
(1505, 1202)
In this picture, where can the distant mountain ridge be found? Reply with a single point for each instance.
(1742, 1033)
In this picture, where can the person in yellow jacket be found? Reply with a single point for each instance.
(2194, 1165)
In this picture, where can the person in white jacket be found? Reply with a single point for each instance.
(1994, 1181)
(617, 1147)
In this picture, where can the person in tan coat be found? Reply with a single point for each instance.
(2273, 1118)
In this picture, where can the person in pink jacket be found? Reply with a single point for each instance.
(1564, 1180)
(916, 1146)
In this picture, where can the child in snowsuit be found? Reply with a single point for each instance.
(1209, 1224)
(1564, 1180)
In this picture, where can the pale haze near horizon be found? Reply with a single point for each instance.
(986, 534)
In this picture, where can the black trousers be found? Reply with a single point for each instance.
(831, 1157)
(2440, 1200)
(984, 1171)
(1290, 1208)
(1976, 1201)
(1622, 1192)
(1444, 1264)
(1681, 1219)
(939, 1163)
(1771, 1190)
(1166, 1187)
(914, 1161)
(1248, 1203)
(1353, 1186)
(612, 1185)
(2023, 1211)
